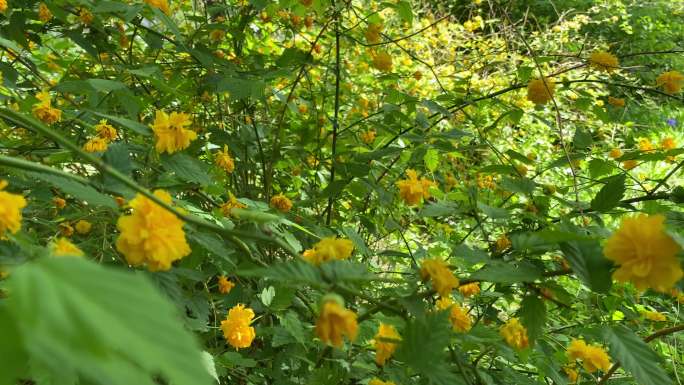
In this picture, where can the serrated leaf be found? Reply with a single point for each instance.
(610, 194)
(187, 168)
(291, 272)
(587, 261)
(431, 159)
(635, 356)
(532, 314)
(503, 272)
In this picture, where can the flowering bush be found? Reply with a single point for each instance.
(326, 192)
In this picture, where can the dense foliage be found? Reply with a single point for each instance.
(311, 192)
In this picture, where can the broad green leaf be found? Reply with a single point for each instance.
(587, 261)
(77, 190)
(187, 168)
(82, 86)
(610, 194)
(292, 272)
(431, 159)
(510, 272)
(532, 314)
(635, 356)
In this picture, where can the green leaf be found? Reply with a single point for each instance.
(233, 359)
(292, 272)
(404, 10)
(532, 313)
(77, 190)
(587, 261)
(187, 168)
(599, 167)
(610, 194)
(431, 159)
(493, 212)
(103, 325)
(83, 86)
(127, 123)
(503, 272)
(635, 356)
(438, 209)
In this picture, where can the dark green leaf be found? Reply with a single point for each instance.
(610, 194)
(587, 261)
(635, 356)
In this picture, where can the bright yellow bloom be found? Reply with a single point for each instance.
(503, 243)
(372, 33)
(60, 203)
(654, 316)
(645, 253)
(368, 137)
(469, 289)
(629, 164)
(603, 61)
(83, 227)
(515, 334)
(43, 110)
(645, 145)
(382, 61)
(616, 102)
(163, 5)
(412, 190)
(170, 132)
(615, 153)
(3, 5)
(225, 285)
(216, 35)
(44, 13)
(668, 143)
(224, 160)
(485, 181)
(231, 204)
(593, 357)
(335, 322)
(377, 381)
(10, 211)
(671, 81)
(540, 91)
(443, 280)
(328, 249)
(236, 327)
(458, 315)
(95, 145)
(383, 348)
(105, 130)
(572, 373)
(151, 235)
(85, 16)
(281, 203)
(65, 229)
(62, 247)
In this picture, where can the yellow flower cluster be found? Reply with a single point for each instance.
(458, 315)
(469, 289)
(442, 278)
(236, 327)
(604, 61)
(412, 190)
(502, 243)
(645, 253)
(85, 16)
(373, 33)
(105, 134)
(224, 160)
(3, 5)
(383, 347)
(334, 322)
(163, 5)
(593, 357)
(44, 13)
(377, 381)
(95, 145)
(83, 227)
(170, 132)
(225, 285)
(368, 137)
(151, 234)
(44, 111)
(616, 102)
(515, 334)
(540, 91)
(62, 247)
(281, 203)
(231, 204)
(10, 211)
(654, 316)
(328, 249)
(382, 61)
(671, 81)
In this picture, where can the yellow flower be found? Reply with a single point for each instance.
(59, 203)
(377, 381)
(458, 315)
(615, 153)
(572, 374)
(10, 211)
(593, 357)
(63, 247)
(170, 132)
(668, 143)
(654, 316)
(163, 5)
(335, 322)
(105, 130)
(224, 285)
(372, 33)
(83, 227)
(216, 35)
(3, 5)
(368, 137)
(540, 91)
(515, 334)
(150, 234)
(95, 145)
(231, 204)
(383, 348)
(503, 243)
(328, 249)
(671, 81)
(43, 110)
(303, 108)
(616, 102)
(629, 164)
(485, 181)
(469, 289)
(382, 61)
(645, 145)
(281, 203)
(224, 160)
(65, 229)
(412, 190)
(44, 13)
(603, 61)
(85, 16)
(236, 327)
(645, 253)
(443, 280)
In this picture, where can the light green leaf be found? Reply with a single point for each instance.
(635, 356)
